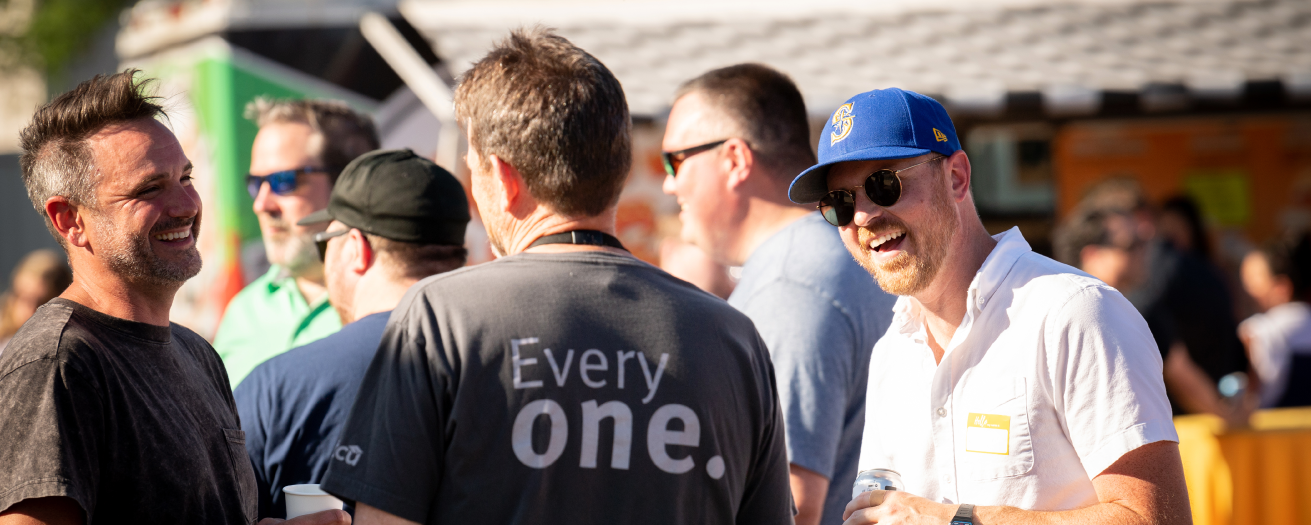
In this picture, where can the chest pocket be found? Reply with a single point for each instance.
(249, 490)
(997, 442)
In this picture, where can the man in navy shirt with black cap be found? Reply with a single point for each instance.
(394, 218)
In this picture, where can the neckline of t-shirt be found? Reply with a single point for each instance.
(143, 331)
(584, 255)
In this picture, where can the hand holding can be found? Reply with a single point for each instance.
(876, 479)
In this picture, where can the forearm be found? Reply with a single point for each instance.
(1097, 514)
(809, 491)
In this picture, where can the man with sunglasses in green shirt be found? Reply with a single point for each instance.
(301, 147)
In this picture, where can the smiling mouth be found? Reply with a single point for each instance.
(173, 236)
(886, 240)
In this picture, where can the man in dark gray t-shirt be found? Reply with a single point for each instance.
(566, 382)
(109, 413)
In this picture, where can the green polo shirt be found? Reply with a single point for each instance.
(267, 318)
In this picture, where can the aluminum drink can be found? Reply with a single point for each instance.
(876, 479)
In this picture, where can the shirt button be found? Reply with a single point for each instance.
(942, 412)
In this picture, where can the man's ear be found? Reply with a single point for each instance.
(68, 221)
(514, 194)
(958, 165)
(361, 252)
(739, 160)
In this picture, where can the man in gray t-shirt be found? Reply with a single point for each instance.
(566, 382)
(736, 137)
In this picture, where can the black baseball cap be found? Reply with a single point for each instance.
(398, 195)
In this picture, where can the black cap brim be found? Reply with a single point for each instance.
(318, 217)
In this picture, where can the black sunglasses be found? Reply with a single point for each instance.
(281, 182)
(674, 159)
(321, 242)
(883, 187)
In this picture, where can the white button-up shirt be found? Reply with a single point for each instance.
(1050, 378)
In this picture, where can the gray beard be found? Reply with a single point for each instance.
(132, 257)
(299, 254)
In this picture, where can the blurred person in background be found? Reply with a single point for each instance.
(1007, 380)
(301, 147)
(1103, 243)
(1278, 277)
(543, 387)
(1181, 225)
(735, 139)
(394, 218)
(39, 277)
(111, 413)
(1184, 298)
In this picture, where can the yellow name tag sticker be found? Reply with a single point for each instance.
(988, 433)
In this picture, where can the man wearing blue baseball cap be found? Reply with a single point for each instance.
(1007, 380)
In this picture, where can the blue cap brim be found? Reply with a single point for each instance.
(812, 184)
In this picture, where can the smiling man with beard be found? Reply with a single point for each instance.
(1007, 380)
(112, 414)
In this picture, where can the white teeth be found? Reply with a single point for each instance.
(173, 236)
(885, 238)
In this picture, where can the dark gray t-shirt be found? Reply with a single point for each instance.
(566, 388)
(133, 421)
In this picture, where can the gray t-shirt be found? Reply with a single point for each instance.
(566, 388)
(134, 422)
(820, 314)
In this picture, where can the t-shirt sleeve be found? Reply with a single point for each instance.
(254, 407)
(390, 455)
(1106, 372)
(50, 437)
(812, 343)
(767, 498)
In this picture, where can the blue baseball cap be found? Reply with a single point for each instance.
(881, 124)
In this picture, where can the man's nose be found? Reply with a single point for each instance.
(866, 211)
(670, 184)
(185, 203)
(265, 201)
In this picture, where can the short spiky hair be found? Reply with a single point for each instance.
(556, 114)
(57, 160)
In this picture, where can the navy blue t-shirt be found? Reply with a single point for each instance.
(293, 406)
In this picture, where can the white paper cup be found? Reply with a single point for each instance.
(308, 499)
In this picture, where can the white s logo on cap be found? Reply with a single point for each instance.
(841, 123)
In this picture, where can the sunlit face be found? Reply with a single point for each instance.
(1260, 282)
(485, 197)
(147, 214)
(285, 146)
(903, 246)
(337, 276)
(704, 199)
(28, 293)
(1122, 263)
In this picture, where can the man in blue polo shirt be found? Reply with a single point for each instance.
(736, 137)
(393, 219)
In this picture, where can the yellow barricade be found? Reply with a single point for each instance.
(1260, 475)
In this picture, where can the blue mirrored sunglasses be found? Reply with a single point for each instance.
(280, 182)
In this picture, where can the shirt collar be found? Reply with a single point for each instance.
(1010, 247)
(278, 277)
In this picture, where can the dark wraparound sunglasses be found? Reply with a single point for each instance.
(883, 188)
(281, 182)
(321, 241)
(674, 159)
